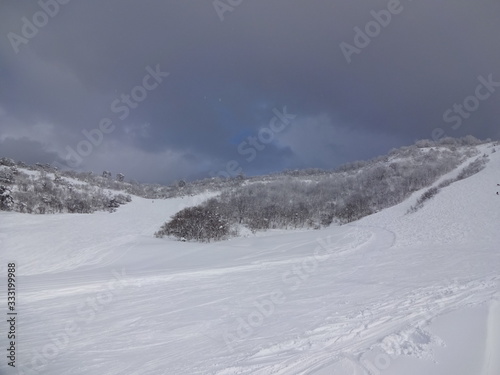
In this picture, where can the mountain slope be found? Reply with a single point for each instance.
(99, 294)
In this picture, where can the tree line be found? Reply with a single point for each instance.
(318, 198)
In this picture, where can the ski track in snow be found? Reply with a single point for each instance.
(177, 307)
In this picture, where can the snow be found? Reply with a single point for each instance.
(393, 293)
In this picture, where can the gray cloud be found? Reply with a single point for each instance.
(28, 151)
(226, 78)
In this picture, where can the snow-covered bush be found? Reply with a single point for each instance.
(7, 162)
(6, 176)
(6, 200)
(475, 167)
(355, 207)
(427, 195)
(446, 183)
(200, 223)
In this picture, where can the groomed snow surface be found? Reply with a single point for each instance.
(394, 293)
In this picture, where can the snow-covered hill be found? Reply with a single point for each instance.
(393, 293)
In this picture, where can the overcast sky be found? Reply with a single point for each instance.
(177, 89)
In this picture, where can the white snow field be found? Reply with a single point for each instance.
(393, 293)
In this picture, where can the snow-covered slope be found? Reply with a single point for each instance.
(392, 293)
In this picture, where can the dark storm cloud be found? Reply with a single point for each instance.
(226, 77)
(27, 151)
